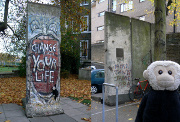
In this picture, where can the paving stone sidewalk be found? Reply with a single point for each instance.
(73, 112)
(126, 112)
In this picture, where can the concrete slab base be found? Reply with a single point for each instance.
(122, 98)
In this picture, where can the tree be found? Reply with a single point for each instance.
(71, 26)
(160, 30)
(71, 22)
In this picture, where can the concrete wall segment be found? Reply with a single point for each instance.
(117, 35)
(136, 39)
(43, 60)
(141, 47)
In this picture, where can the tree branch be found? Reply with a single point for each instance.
(3, 25)
(14, 32)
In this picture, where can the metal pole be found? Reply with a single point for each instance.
(103, 109)
(116, 104)
(103, 114)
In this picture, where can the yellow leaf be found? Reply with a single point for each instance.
(0, 112)
(130, 119)
(7, 121)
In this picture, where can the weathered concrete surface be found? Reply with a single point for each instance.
(141, 47)
(84, 74)
(117, 68)
(43, 60)
(128, 52)
(97, 52)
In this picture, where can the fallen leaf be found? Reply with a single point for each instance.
(130, 119)
(86, 119)
(83, 118)
(0, 112)
(7, 121)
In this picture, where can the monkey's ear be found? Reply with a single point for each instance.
(145, 74)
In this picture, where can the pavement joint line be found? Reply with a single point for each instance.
(115, 108)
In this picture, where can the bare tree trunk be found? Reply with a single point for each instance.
(160, 30)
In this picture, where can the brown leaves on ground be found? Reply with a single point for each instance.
(73, 87)
(12, 90)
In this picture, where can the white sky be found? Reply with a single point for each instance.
(2, 44)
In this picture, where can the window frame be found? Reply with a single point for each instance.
(126, 6)
(114, 7)
(86, 24)
(82, 50)
(84, 3)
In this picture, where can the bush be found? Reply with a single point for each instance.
(70, 63)
(65, 74)
(22, 67)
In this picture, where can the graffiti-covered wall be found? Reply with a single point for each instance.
(43, 60)
(128, 50)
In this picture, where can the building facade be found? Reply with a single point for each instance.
(139, 9)
(85, 37)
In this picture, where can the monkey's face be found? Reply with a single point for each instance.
(165, 75)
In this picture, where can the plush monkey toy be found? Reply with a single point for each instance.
(162, 103)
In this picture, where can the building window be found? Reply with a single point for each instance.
(100, 28)
(84, 3)
(126, 6)
(100, 1)
(100, 41)
(101, 14)
(141, 1)
(84, 48)
(113, 5)
(142, 18)
(85, 24)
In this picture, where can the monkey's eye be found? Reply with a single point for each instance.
(170, 72)
(160, 72)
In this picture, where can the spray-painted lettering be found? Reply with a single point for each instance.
(122, 74)
(44, 60)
